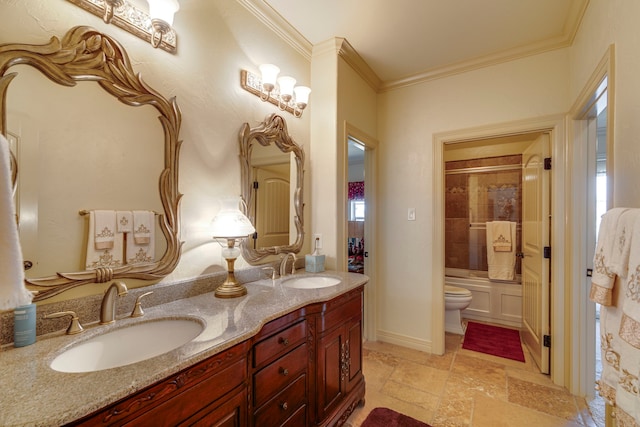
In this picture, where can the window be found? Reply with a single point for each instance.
(356, 210)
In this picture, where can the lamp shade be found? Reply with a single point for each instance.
(286, 85)
(269, 75)
(230, 222)
(302, 95)
(163, 9)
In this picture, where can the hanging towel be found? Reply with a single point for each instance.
(501, 263)
(106, 257)
(603, 276)
(502, 237)
(141, 246)
(104, 229)
(12, 290)
(124, 221)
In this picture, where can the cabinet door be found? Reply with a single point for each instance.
(232, 413)
(353, 358)
(329, 371)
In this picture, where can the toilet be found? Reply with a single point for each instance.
(455, 300)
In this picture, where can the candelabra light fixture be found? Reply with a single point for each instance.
(280, 91)
(154, 26)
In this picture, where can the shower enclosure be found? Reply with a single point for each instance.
(478, 191)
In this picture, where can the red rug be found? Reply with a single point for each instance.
(385, 417)
(495, 340)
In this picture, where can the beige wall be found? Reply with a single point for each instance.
(408, 119)
(216, 39)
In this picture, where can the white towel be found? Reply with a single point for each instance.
(108, 257)
(141, 245)
(502, 263)
(104, 229)
(502, 237)
(603, 277)
(124, 221)
(12, 290)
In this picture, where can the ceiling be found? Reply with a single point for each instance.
(407, 40)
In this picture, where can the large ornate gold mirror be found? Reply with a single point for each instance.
(83, 148)
(272, 181)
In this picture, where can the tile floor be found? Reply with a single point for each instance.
(466, 388)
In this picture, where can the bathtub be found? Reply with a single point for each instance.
(494, 301)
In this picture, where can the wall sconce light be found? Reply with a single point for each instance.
(229, 226)
(154, 27)
(281, 91)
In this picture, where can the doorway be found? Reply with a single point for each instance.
(359, 224)
(555, 127)
(501, 178)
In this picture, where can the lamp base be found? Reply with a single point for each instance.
(230, 290)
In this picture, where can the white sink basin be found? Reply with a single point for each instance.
(311, 282)
(127, 345)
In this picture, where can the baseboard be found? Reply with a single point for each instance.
(404, 341)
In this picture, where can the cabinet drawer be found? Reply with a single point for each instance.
(279, 343)
(195, 398)
(339, 315)
(278, 374)
(284, 405)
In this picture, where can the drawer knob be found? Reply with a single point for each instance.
(284, 371)
(284, 341)
(284, 406)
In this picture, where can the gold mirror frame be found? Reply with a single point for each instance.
(273, 130)
(84, 54)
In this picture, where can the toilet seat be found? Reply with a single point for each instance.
(456, 292)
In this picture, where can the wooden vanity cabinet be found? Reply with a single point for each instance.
(302, 369)
(281, 365)
(339, 378)
(211, 392)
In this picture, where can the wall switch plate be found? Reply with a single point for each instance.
(411, 215)
(317, 241)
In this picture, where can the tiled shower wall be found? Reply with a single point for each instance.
(473, 198)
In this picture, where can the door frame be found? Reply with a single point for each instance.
(581, 310)
(370, 326)
(555, 126)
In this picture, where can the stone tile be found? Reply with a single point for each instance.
(549, 400)
(468, 389)
(488, 412)
(411, 395)
(421, 377)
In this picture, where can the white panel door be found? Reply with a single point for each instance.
(535, 237)
(272, 207)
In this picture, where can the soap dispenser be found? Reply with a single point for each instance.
(314, 263)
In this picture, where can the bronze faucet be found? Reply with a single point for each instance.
(108, 307)
(283, 264)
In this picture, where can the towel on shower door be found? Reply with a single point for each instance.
(501, 263)
(12, 290)
(502, 237)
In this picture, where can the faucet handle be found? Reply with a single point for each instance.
(137, 308)
(273, 272)
(74, 327)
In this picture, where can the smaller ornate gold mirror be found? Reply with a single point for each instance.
(270, 160)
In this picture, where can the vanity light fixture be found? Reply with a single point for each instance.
(154, 26)
(281, 91)
(229, 226)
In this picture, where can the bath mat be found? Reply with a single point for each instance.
(385, 417)
(495, 340)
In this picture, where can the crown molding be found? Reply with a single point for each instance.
(289, 34)
(280, 26)
(477, 63)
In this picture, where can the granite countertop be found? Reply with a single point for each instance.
(33, 394)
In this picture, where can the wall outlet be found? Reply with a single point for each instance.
(317, 241)
(411, 215)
